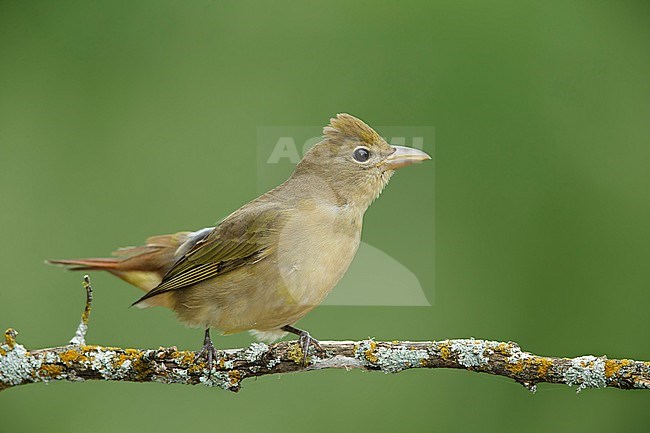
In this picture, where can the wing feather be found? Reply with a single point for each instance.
(245, 237)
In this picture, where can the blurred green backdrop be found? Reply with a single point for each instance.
(122, 119)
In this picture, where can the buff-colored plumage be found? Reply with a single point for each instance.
(276, 258)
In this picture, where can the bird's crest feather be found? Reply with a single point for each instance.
(345, 126)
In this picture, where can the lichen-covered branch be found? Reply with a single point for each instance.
(19, 366)
(78, 361)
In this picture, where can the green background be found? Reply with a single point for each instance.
(122, 119)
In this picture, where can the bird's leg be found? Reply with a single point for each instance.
(208, 352)
(305, 340)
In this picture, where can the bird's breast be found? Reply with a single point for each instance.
(315, 248)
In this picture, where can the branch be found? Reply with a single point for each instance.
(78, 361)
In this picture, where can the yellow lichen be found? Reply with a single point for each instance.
(445, 352)
(132, 355)
(370, 352)
(516, 367)
(184, 358)
(10, 337)
(234, 376)
(50, 370)
(88, 348)
(612, 366)
(73, 356)
(540, 365)
(543, 364)
(295, 353)
(196, 368)
(503, 349)
(143, 369)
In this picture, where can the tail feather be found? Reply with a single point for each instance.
(142, 266)
(86, 264)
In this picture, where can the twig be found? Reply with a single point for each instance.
(79, 338)
(78, 362)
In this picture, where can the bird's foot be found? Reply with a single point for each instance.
(305, 340)
(208, 351)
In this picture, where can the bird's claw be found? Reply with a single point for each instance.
(305, 341)
(208, 352)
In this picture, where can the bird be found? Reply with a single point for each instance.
(273, 260)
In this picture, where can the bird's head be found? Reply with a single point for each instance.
(355, 161)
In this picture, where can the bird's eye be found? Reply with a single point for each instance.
(361, 154)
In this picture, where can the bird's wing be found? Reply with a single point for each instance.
(245, 237)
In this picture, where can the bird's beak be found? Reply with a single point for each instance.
(403, 156)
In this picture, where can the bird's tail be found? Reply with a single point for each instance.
(144, 272)
(143, 266)
(99, 264)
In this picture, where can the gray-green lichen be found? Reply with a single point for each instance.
(217, 379)
(586, 372)
(390, 360)
(642, 384)
(516, 355)
(79, 338)
(17, 365)
(102, 361)
(255, 352)
(471, 353)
